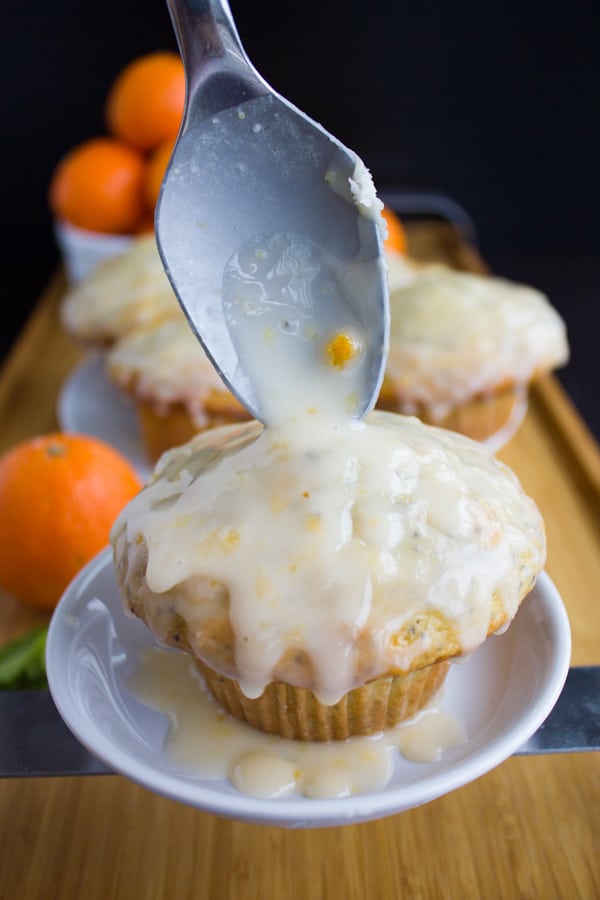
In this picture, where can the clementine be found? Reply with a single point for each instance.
(396, 236)
(155, 172)
(59, 496)
(98, 186)
(146, 224)
(145, 103)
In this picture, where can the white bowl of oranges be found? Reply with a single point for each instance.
(103, 192)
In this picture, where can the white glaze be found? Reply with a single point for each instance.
(358, 189)
(455, 335)
(206, 742)
(284, 300)
(364, 193)
(166, 364)
(329, 538)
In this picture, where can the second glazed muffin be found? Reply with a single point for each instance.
(174, 386)
(465, 348)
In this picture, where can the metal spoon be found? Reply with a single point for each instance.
(253, 182)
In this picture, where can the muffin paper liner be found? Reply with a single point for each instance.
(293, 712)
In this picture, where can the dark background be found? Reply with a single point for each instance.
(493, 104)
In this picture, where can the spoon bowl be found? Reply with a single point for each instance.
(268, 227)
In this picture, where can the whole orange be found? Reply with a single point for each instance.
(396, 236)
(145, 103)
(99, 186)
(146, 225)
(59, 496)
(155, 172)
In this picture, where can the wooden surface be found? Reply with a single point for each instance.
(529, 829)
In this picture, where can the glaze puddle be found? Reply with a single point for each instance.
(206, 742)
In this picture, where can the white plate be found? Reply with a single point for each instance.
(502, 694)
(89, 404)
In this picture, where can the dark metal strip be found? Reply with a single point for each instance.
(35, 742)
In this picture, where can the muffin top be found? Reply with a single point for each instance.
(325, 555)
(456, 335)
(166, 364)
(121, 293)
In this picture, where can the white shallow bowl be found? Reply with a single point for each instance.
(82, 250)
(502, 694)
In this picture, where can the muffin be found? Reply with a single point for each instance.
(465, 348)
(122, 293)
(323, 578)
(174, 386)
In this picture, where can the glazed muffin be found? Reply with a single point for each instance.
(122, 293)
(465, 348)
(323, 578)
(174, 386)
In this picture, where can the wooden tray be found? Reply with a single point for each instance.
(529, 828)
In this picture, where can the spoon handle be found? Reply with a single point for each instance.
(218, 72)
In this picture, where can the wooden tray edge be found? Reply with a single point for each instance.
(570, 429)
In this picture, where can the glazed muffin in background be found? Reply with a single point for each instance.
(120, 294)
(465, 348)
(323, 579)
(174, 386)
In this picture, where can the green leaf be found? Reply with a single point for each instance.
(23, 661)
